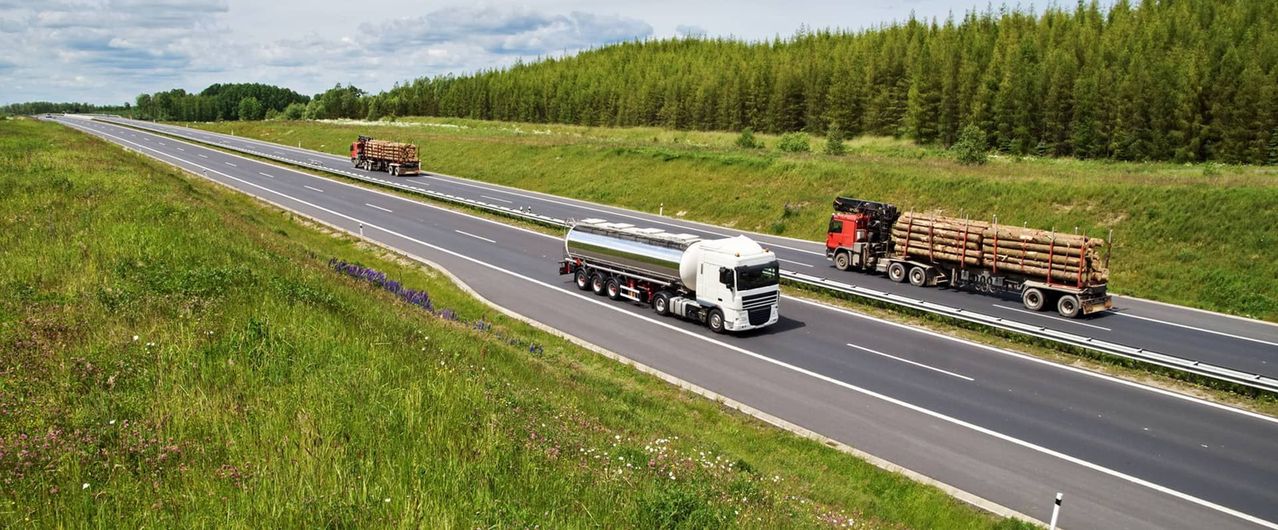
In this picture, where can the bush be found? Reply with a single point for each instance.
(747, 139)
(970, 147)
(795, 142)
(834, 141)
(293, 111)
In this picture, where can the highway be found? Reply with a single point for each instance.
(1241, 344)
(998, 425)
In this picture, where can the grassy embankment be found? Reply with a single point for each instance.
(1199, 235)
(174, 354)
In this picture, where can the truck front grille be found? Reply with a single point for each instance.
(751, 302)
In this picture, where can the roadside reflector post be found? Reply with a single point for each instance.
(661, 210)
(361, 234)
(1056, 511)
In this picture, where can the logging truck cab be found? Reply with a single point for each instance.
(860, 238)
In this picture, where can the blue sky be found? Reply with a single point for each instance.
(108, 51)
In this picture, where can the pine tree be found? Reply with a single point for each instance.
(834, 140)
(1272, 158)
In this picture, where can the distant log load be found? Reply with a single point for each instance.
(1041, 254)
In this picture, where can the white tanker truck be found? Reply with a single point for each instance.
(728, 284)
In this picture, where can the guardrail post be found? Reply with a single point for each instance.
(1056, 511)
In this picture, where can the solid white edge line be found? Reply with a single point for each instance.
(1204, 330)
(907, 361)
(474, 236)
(1037, 314)
(1045, 362)
(1025, 356)
(916, 408)
(378, 207)
(312, 188)
(1248, 320)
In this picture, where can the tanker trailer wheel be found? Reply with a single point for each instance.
(661, 303)
(1034, 299)
(1069, 306)
(918, 276)
(896, 272)
(582, 279)
(715, 321)
(842, 261)
(597, 283)
(613, 288)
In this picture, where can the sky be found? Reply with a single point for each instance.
(109, 51)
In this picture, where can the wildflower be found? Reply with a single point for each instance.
(387, 499)
(85, 486)
(135, 338)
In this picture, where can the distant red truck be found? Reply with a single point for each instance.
(380, 155)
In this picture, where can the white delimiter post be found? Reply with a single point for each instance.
(1056, 511)
(361, 234)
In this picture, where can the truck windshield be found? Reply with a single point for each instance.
(756, 276)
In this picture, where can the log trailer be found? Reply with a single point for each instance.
(1045, 269)
(727, 284)
(380, 155)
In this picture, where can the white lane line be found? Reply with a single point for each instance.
(474, 236)
(269, 176)
(230, 164)
(278, 153)
(977, 428)
(907, 361)
(162, 143)
(180, 149)
(378, 207)
(496, 199)
(311, 188)
(202, 155)
(795, 262)
(1204, 330)
(1038, 314)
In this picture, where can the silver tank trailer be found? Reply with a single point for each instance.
(651, 252)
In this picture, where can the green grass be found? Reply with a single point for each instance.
(1198, 235)
(177, 355)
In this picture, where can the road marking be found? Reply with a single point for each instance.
(180, 149)
(795, 262)
(162, 143)
(916, 408)
(496, 199)
(1204, 330)
(378, 207)
(474, 236)
(1038, 314)
(202, 155)
(946, 372)
(230, 164)
(266, 175)
(312, 188)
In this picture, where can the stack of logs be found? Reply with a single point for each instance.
(1067, 258)
(394, 151)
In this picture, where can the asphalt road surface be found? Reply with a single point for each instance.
(1242, 344)
(999, 425)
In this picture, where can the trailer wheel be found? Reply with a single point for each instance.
(394, 171)
(661, 303)
(918, 276)
(1069, 306)
(582, 279)
(597, 283)
(842, 260)
(356, 162)
(613, 288)
(1034, 299)
(896, 272)
(715, 321)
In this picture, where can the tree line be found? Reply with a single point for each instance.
(48, 107)
(230, 101)
(1184, 80)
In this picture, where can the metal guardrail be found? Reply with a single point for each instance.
(1138, 354)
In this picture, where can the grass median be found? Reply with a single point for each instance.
(177, 355)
